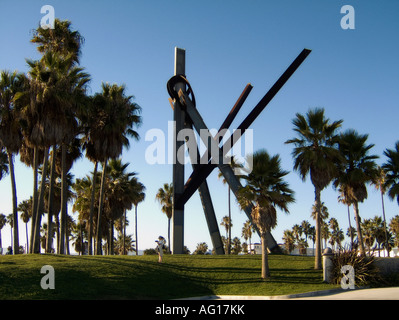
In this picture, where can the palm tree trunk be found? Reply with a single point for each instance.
(169, 234)
(93, 195)
(317, 264)
(34, 198)
(14, 203)
(229, 237)
(350, 227)
(359, 230)
(67, 233)
(100, 209)
(111, 238)
(50, 203)
(40, 205)
(385, 222)
(265, 262)
(64, 190)
(27, 241)
(135, 225)
(124, 233)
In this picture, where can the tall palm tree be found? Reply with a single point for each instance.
(305, 225)
(61, 39)
(391, 168)
(3, 163)
(379, 183)
(265, 189)
(357, 169)
(25, 208)
(246, 232)
(56, 86)
(234, 165)
(86, 202)
(10, 221)
(227, 223)
(394, 228)
(343, 199)
(115, 117)
(165, 196)
(315, 154)
(3, 221)
(139, 190)
(10, 132)
(120, 193)
(289, 240)
(61, 44)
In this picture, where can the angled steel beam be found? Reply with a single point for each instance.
(222, 164)
(206, 200)
(204, 170)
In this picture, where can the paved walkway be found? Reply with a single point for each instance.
(360, 294)
(335, 294)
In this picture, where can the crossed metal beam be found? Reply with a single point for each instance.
(185, 111)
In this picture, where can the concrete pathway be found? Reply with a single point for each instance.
(359, 294)
(334, 294)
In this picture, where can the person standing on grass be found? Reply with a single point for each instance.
(160, 245)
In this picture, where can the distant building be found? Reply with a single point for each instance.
(256, 248)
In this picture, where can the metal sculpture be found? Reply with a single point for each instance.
(186, 116)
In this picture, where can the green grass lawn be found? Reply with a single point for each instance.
(131, 277)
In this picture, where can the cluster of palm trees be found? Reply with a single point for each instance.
(375, 234)
(327, 156)
(344, 159)
(48, 118)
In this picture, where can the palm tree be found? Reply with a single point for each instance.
(3, 221)
(60, 39)
(391, 168)
(265, 189)
(120, 194)
(297, 231)
(25, 207)
(115, 117)
(343, 199)
(234, 165)
(201, 248)
(165, 196)
(289, 240)
(368, 233)
(10, 221)
(305, 225)
(315, 154)
(10, 132)
(139, 197)
(227, 224)
(394, 228)
(246, 232)
(379, 183)
(64, 85)
(356, 170)
(3, 163)
(380, 233)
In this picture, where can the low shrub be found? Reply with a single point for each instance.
(366, 274)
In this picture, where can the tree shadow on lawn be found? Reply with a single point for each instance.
(130, 278)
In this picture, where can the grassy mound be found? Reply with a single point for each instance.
(131, 277)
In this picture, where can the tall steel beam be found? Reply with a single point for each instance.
(178, 166)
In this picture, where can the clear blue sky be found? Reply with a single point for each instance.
(353, 74)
